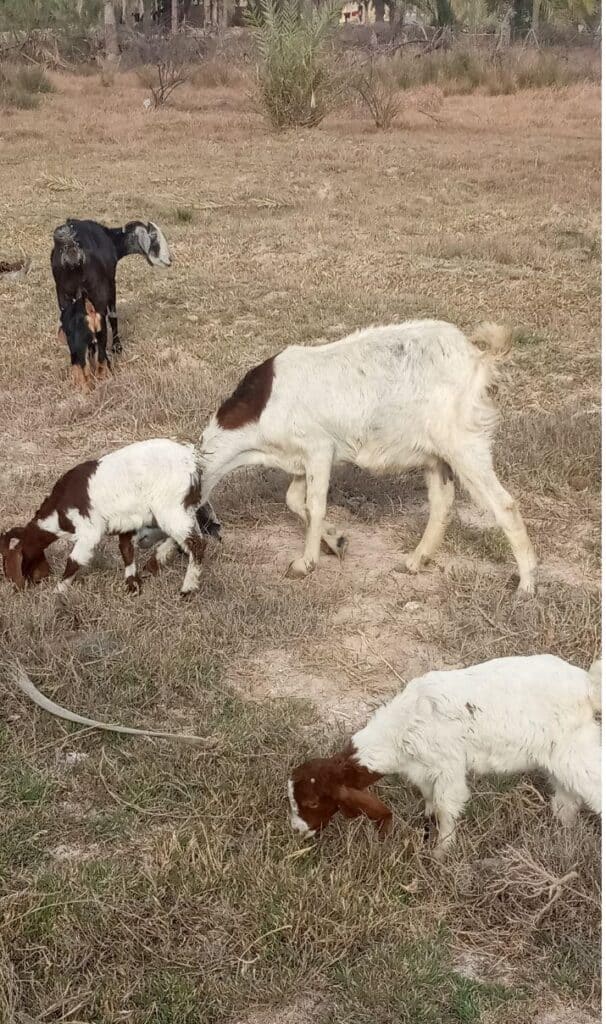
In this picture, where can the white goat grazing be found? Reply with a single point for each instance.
(150, 483)
(386, 398)
(508, 715)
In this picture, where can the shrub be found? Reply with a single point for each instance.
(465, 69)
(162, 79)
(34, 80)
(297, 83)
(20, 87)
(379, 92)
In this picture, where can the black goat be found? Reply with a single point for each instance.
(84, 259)
(80, 329)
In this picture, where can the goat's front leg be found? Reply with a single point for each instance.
(103, 363)
(127, 550)
(81, 554)
(333, 542)
(317, 478)
(449, 798)
(161, 555)
(112, 316)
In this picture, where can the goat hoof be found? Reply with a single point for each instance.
(117, 347)
(336, 545)
(186, 595)
(298, 569)
(133, 584)
(527, 587)
(440, 853)
(411, 563)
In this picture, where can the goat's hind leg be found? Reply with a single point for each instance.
(475, 470)
(183, 531)
(440, 492)
(333, 542)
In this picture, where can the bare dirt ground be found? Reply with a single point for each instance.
(145, 882)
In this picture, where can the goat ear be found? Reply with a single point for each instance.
(353, 802)
(143, 237)
(13, 566)
(10, 539)
(41, 571)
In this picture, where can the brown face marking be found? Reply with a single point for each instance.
(249, 399)
(339, 783)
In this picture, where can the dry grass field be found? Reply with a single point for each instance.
(141, 881)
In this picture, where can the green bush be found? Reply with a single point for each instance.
(296, 79)
(21, 87)
(34, 80)
(466, 69)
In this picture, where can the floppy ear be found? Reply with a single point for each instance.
(9, 539)
(353, 802)
(40, 571)
(62, 336)
(92, 317)
(143, 237)
(13, 562)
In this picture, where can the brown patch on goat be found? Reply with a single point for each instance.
(326, 785)
(23, 558)
(71, 568)
(92, 317)
(193, 495)
(70, 492)
(62, 337)
(103, 371)
(249, 399)
(196, 545)
(80, 377)
(152, 566)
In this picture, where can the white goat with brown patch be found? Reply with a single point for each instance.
(386, 398)
(153, 483)
(503, 716)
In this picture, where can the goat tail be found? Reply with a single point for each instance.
(70, 253)
(24, 683)
(595, 685)
(496, 338)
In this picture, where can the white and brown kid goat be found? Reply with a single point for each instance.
(504, 716)
(152, 483)
(385, 398)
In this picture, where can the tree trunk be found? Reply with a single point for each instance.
(174, 17)
(379, 10)
(112, 51)
(536, 16)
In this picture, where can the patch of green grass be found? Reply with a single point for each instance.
(489, 543)
(524, 337)
(184, 215)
